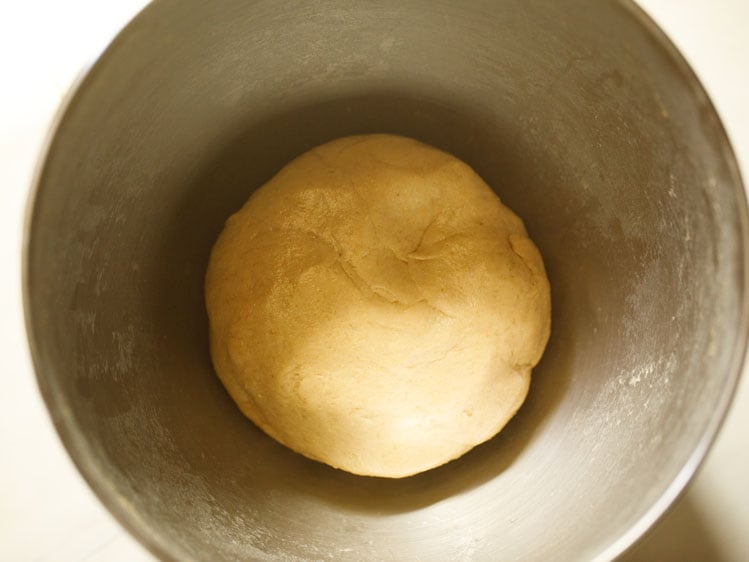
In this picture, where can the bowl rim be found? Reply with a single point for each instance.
(695, 461)
(84, 459)
(70, 433)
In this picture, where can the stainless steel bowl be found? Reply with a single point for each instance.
(580, 114)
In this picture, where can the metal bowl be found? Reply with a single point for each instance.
(587, 123)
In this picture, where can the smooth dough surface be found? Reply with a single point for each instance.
(375, 307)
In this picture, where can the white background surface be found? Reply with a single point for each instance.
(47, 513)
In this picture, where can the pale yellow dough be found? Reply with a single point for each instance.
(375, 307)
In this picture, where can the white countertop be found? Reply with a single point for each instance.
(47, 513)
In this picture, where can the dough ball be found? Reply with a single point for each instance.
(375, 307)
